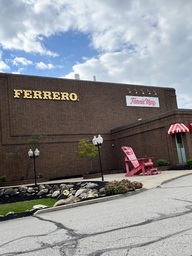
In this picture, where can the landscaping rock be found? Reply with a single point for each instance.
(63, 193)
(39, 206)
(54, 188)
(65, 186)
(11, 191)
(41, 186)
(22, 188)
(69, 200)
(43, 191)
(102, 190)
(80, 191)
(2, 192)
(90, 185)
(55, 194)
(48, 186)
(30, 190)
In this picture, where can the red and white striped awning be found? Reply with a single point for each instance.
(190, 127)
(178, 127)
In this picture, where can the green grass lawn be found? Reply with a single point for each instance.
(25, 205)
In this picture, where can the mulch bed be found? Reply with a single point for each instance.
(18, 198)
(4, 199)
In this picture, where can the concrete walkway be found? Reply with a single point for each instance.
(149, 181)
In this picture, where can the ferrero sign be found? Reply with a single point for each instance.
(44, 95)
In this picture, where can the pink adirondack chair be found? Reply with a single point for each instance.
(142, 165)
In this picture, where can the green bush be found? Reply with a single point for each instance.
(189, 162)
(162, 162)
(137, 184)
(121, 187)
(3, 178)
(114, 189)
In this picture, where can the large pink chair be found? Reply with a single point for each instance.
(141, 165)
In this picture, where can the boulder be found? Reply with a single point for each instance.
(92, 195)
(22, 188)
(66, 186)
(10, 213)
(2, 191)
(80, 191)
(39, 206)
(55, 193)
(41, 186)
(90, 185)
(70, 200)
(54, 188)
(11, 191)
(102, 190)
(43, 192)
(48, 186)
(30, 190)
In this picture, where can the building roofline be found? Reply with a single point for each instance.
(2, 74)
(152, 119)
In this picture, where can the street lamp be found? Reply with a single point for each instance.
(97, 141)
(34, 154)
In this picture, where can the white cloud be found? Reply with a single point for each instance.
(21, 27)
(21, 61)
(41, 65)
(144, 42)
(3, 65)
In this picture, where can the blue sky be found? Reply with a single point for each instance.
(127, 41)
(69, 48)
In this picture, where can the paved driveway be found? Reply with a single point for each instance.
(154, 222)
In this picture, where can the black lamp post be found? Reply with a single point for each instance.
(97, 141)
(34, 154)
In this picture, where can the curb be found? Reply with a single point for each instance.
(169, 180)
(104, 199)
(88, 202)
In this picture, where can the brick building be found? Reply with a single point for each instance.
(67, 111)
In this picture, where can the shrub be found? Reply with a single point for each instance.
(3, 178)
(162, 162)
(189, 162)
(114, 189)
(137, 184)
(121, 187)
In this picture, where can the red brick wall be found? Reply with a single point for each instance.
(150, 138)
(100, 107)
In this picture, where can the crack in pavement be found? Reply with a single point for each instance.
(129, 248)
(59, 226)
(69, 246)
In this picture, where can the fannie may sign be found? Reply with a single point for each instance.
(152, 102)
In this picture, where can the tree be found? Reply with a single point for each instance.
(86, 150)
(35, 140)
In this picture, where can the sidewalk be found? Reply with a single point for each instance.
(149, 181)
